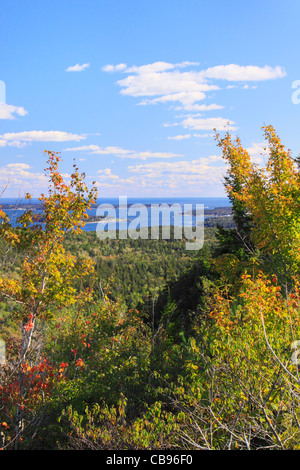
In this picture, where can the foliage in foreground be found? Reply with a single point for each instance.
(212, 364)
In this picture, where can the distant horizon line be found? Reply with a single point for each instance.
(132, 197)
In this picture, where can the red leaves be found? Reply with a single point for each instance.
(47, 278)
(30, 324)
(39, 381)
(79, 363)
(63, 366)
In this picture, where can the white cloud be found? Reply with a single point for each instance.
(18, 176)
(18, 139)
(257, 152)
(107, 179)
(167, 177)
(18, 166)
(180, 137)
(164, 82)
(77, 68)
(145, 155)
(114, 68)
(217, 123)
(203, 135)
(207, 107)
(196, 174)
(107, 174)
(7, 111)
(187, 99)
(158, 66)
(96, 149)
(120, 152)
(234, 72)
(170, 124)
(82, 148)
(183, 167)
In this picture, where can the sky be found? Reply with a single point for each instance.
(133, 90)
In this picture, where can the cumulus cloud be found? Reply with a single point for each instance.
(258, 151)
(167, 176)
(8, 111)
(77, 68)
(158, 66)
(107, 179)
(187, 99)
(196, 174)
(164, 82)
(19, 176)
(19, 139)
(234, 72)
(107, 174)
(18, 166)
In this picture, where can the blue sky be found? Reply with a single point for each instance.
(133, 90)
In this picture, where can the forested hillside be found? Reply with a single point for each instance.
(141, 344)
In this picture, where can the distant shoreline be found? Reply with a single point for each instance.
(36, 207)
(212, 214)
(217, 212)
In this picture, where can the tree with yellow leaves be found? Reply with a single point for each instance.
(270, 196)
(48, 272)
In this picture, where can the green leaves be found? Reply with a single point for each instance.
(48, 272)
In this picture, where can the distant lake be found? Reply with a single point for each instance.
(145, 219)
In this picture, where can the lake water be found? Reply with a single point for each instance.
(125, 214)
